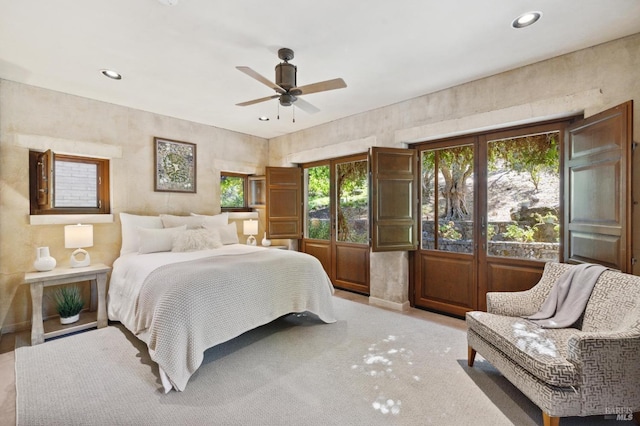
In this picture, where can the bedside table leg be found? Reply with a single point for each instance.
(101, 281)
(37, 328)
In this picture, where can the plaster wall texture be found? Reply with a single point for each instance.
(35, 118)
(586, 82)
(582, 82)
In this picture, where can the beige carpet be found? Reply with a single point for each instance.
(371, 367)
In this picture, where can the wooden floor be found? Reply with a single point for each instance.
(7, 358)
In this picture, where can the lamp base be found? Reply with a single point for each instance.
(251, 241)
(79, 263)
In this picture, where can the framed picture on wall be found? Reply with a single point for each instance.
(175, 166)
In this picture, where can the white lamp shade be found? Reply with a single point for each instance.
(250, 227)
(78, 236)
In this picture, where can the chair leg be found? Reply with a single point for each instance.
(636, 418)
(471, 356)
(548, 420)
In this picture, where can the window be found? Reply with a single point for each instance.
(233, 194)
(66, 184)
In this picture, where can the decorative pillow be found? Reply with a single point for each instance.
(215, 220)
(192, 222)
(130, 224)
(196, 239)
(228, 233)
(155, 240)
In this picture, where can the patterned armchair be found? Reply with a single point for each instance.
(590, 369)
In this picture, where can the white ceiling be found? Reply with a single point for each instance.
(179, 60)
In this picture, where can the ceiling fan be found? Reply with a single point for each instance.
(285, 84)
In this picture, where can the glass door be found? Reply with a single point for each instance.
(490, 215)
(336, 211)
(445, 266)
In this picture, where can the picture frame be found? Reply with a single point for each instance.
(175, 166)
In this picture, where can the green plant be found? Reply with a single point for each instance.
(319, 229)
(449, 232)
(491, 232)
(547, 218)
(516, 233)
(68, 301)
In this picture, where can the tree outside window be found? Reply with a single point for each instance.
(232, 191)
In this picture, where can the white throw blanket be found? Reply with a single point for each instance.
(568, 297)
(184, 308)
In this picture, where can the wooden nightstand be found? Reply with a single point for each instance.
(97, 317)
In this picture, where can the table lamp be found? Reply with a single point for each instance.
(77, 237)
(250, 228)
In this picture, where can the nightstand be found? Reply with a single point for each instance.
(96, 317)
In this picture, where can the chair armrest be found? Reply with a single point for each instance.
(513, 303)
(609, 366)
(528, 302)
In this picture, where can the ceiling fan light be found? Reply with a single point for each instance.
(287, 99)
(526, 19)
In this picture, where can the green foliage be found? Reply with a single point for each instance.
(318, 182)
(68, 301)
(448, 231)
(534, 154)
(231, 191)
(491, 232)
(516, 233)
(547, 218)
(317, 203)
(319, 229)
(352, 177)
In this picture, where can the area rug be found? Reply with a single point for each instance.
(371, 367)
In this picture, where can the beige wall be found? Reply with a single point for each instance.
(586, 82)
(31, 117)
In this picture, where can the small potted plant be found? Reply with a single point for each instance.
(69, 304)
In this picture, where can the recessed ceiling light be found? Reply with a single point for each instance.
(263, 118)
(526, 19)
(111, 74)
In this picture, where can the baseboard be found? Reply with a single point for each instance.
(16, 328)
(375, 301)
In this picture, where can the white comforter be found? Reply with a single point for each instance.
(180, 311)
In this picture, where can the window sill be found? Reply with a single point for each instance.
(69, 219)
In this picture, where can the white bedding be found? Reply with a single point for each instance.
(153, 301)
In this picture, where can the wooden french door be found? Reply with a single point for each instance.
(336, 219)
(460, 260)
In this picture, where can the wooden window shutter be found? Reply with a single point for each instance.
(284, 202)
(597, 179)
(394, 197)
(44, 180)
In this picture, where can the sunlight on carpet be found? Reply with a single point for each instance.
(371, 367)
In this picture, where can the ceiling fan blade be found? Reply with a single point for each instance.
(255, 101)
(305, 106)
(251, 73)
(336, 83)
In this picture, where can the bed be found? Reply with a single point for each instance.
(180, 303)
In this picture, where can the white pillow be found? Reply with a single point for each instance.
(130, 224)
(155, 240)
(196, 239)
(228, 233)
(215, 220)
(192, 222)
